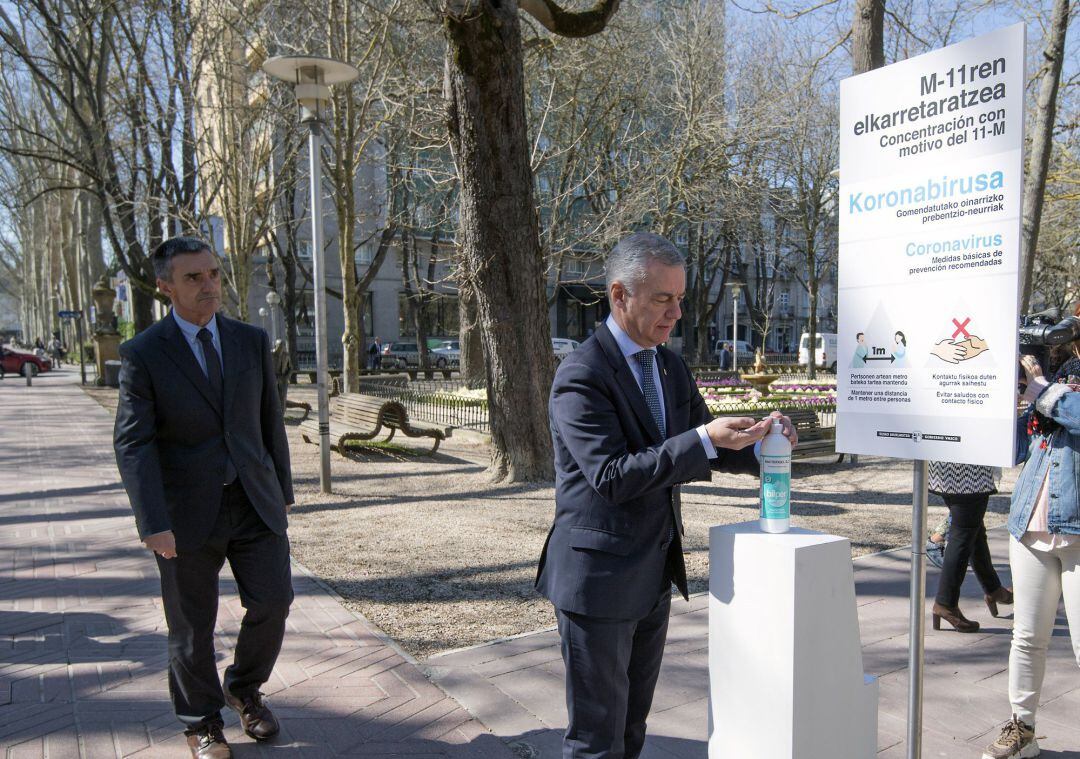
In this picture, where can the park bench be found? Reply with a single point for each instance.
(300, 405)
(813, 440)
(361, 417)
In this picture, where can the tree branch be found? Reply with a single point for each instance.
(567, 24)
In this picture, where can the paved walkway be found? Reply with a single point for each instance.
(82, 637)
(515, 686)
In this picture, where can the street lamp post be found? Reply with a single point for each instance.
(272, 300)
(311, 77)
(262, 315)
(736, 286)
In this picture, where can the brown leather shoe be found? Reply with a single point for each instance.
(1002, 595)
(954, 617)
(209, 743)
(255, 716)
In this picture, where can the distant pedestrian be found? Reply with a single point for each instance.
(56, 350)
(725, 357)
(375, 354)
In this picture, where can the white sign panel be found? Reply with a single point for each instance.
(931, 177)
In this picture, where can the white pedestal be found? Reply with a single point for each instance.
(785, 661)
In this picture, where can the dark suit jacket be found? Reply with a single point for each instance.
(171, 435)
(616, 481)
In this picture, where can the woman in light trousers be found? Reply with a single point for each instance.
(1044, 551)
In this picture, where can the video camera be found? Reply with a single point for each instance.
(1039, 332)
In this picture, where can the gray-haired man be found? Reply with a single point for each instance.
(201, 447)
(628, 426)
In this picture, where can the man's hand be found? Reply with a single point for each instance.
(735, 433)
(288, 507)
(790, 432)
(163, 543)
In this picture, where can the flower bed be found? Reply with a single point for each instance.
(751, 405)
(735, 396)
(461, 397)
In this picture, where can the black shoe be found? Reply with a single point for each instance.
(255, 716)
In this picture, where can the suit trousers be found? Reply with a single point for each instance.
(967, 544)
(611, 670)
(259, 560)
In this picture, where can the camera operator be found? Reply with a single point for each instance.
(1044, 554)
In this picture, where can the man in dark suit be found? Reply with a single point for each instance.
(201, 447)
(628, 426)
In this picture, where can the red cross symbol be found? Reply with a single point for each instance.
(960, 327)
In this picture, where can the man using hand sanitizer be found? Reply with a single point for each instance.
(775, 458)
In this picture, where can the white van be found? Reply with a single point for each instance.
(824, 350)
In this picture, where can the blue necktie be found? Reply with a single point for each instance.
(648, 387)
(652, 398)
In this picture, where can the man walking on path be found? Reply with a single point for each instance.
(628, 426)
(201, 448)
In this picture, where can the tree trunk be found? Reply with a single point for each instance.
(472, 349)
(500, 237)
(353, 330)
(142, 307)
(868, 36)
(1042, 141)
(289, 303)
(811, 328)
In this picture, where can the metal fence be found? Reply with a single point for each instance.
(439, 402)
(432, 401)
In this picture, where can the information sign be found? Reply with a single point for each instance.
(931, 176)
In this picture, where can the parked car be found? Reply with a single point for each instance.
(746, 351)
(400, 355)
(563, 347)
(447, 355)
(19, 362)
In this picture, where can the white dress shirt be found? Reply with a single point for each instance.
(629, 348)
(191, 334)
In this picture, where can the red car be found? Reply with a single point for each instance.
(18, 362)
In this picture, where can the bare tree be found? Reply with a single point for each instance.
(117, 84)
(499, 232)
(1041, 145)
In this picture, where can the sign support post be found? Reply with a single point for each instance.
(917, 630)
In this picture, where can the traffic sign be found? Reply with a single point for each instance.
(69, 314)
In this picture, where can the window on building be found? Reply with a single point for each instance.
(783, 300)
(303, 249)
(573, 267)
(365, 255)
(369, 315)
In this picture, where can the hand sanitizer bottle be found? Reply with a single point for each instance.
(775, 457)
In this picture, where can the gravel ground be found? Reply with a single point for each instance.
(439, 558)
